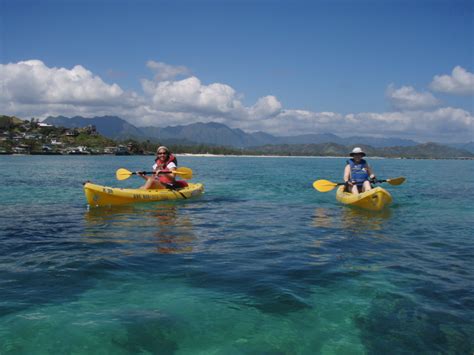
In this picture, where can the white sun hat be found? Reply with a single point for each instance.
(357, 150)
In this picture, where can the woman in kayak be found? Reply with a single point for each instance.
(163, 177)
(358, 174)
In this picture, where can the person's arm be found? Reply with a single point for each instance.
(371, 172)
(142, 175)
(347, 174)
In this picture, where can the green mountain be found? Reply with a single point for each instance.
(9, 121)
(469, 146)
(110, 126)
(212, 133)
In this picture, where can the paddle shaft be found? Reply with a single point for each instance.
(173, 188)
(374, 181)
(123, 174)
(152, 172)
(326, 185)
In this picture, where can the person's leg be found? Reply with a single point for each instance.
(151, 183)
(366, 186)
(143, 187)
(355, 190)
(147, 184)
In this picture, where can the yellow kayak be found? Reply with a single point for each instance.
(98, 195)
(373, 200)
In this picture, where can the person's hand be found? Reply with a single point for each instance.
(372, 178)
(140, 173)
(349, 183)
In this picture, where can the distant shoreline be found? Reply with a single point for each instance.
(310, 157)
(252, 156)
(205, 155)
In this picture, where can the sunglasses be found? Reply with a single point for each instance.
(161, 153)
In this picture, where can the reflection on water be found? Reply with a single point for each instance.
(163, 227)
(323, 218)
(346, 237)
(174, 233)
(352, 219)
(358, 220)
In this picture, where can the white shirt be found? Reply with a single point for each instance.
(169, 166)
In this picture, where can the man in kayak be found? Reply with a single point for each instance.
(358, 174)
(163, 177)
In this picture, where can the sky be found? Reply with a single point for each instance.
(386, 68)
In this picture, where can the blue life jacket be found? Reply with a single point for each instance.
(359, 172)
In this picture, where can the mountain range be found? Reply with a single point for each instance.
(213, 133)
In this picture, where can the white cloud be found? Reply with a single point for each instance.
(460, 82)
(214, 101)
(32, 82)
(265, 107)
(407, 98)
(165, 71)
(31, 89)
(188, 101)
(443, 124)
(189, 95)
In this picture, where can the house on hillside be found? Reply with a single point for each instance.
(33, 136)
(21, 149)
(90, 129)
(110, 150)
(72, 132)
(79, 150)
(55, 141)
(122, 150)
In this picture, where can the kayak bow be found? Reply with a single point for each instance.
(373, 200)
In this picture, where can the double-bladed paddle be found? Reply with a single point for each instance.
(185, 173)
(326, 185)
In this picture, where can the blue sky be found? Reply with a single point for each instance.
(386, 67)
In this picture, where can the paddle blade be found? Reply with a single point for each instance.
(396, 181)
(324, 185)
(123, 174)
(184, 173)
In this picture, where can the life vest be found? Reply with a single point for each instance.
(165, 178)
(163, 166)
(359, 172)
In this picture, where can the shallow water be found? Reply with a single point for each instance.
(262, 263)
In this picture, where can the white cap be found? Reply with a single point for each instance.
(357, 150)
(162, 147)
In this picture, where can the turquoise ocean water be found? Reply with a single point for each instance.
(260, 264)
